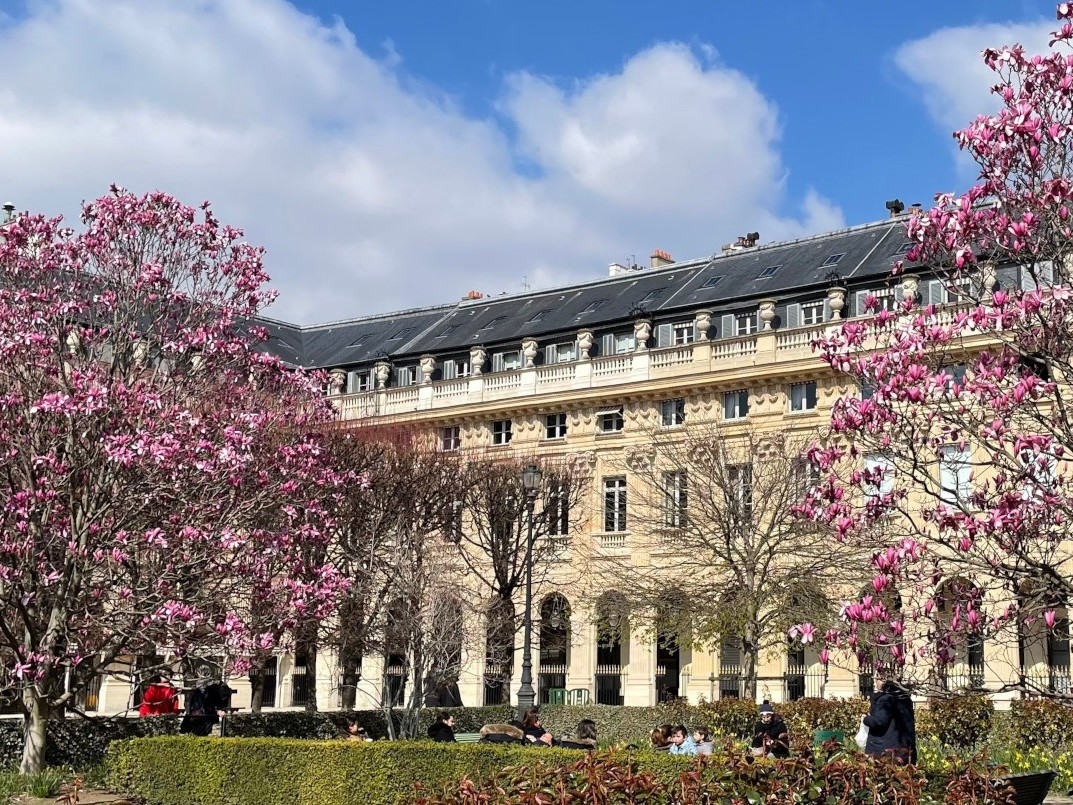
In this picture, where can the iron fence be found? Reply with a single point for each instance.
(268, 694)
(800, 682)
(301, 680)
(667, 685)
(961, 677)
(496, 683)
(1054, 679)
(730, 682)
(549, 678)
(394, 690)
(608, 684)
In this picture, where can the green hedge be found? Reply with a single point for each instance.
(267, 771)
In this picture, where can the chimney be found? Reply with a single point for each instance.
(659, 259)
(614, 269)
(743, 242)
(915, 207)
(471, 295)
(895, 207)
(9, 212)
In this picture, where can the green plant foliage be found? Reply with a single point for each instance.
(731, 717)
(962, 721)
(1041, 722)
(45, 783)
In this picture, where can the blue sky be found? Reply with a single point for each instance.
(396, 154)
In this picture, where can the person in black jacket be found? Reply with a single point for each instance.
(586, 736)
(891, 723)
(442, 729)
(770, 736)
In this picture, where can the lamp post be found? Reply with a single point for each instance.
(531, 478)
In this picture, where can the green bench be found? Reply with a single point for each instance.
(467, 737)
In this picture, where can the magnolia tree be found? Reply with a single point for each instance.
(959, 445)
(157, 467)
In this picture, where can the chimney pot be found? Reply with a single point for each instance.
(660, 258)
(895, 207)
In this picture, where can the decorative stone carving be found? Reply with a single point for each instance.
(770, 446)
(529, 352)
(642, 331)
(336, 381)
(910, 287)
(382, 373)
(74, 341)
(477, 357)
(989, 278)
(197, 362)
(703, 323)
(141, 351)
(836, 299)
(767, 313)
(584, 343)
(428, 366)
(640, 457)
(583, 464)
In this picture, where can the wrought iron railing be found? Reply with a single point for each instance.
(961, 677)
(667, 685)
(608, 684)
(301, 681)
(496, 683)
(1052, 679)
(394, 690)
(549, 678)
(268, 694)
(801, 682)
(730, 682)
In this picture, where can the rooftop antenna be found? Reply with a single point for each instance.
(525, 282)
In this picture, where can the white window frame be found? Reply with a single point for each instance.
(615, 503)
(502, 432)
(611, 420)
(878, 461)
(745, 324)
(886, 299)
(558, 512)
(512, 361)
(736, 397)
(675, 499)
(625, 342)
(812, 313)
(740, 486)
(565, 352)
(955, 475)
(799, 406)
(555, 425)
(684, 332)
(450, 438)
(672, 413)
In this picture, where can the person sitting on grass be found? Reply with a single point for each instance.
(770, 737)
(681, 742)
(702, 737)
(586, 736)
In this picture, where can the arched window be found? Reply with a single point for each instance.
(554, 648)
(958, 639)
(612, 629)
(1043, 639)
(499, 651)
(673, 639)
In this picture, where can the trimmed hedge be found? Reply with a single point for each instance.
(264, 771)
(1043, 722)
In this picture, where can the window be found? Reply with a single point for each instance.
(811, 314)
(555, 426)
(558, 511)
(625, 342)
(770, 271)
(564, 352)
(610, 421)
(672, 412)
(803, 396)
(358, 341)
(832, 260)
(684, 333)
(592, 307)
(506, 361)
(450, 438)
(675, 499)
(448, 331)
(615, 503)
(538, 315)
(739, 491)
(804, 475)
(735, 404)
(745, 324)
(501, 432)
(405, 375)
(454, 521)
(403, 333)
(357, 381)
(878, 476)
(867, 390)
(954, 377)
(455, 368)
(885, 299)
(955, 475)
(655, 293)
(904, 248)
(492, 323)
(711, 282)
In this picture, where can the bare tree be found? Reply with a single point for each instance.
(729, 562)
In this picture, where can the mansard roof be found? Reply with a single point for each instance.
(723, 283)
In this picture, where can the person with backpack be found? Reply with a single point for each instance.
(891, 724)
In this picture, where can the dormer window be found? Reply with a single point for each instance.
(768, 272)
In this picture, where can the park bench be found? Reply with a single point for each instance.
(467, 737)
(1030, 788)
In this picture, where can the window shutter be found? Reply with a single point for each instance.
(933, 293)
(450, 370)
(756, 321)
(664, 335)
(793, 315)
(351, 381)
(497, 362)
(607, 344)
(858, 303)
(826, 309)
(726, 326)
(549, 354)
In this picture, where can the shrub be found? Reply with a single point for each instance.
(1043, 722)
(617, 725)
(962, 721)
(805, 716)
(733, 718)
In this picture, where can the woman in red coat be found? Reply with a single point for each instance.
(160, 698)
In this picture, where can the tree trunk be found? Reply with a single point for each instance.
(311, 675)
(257, 688)
(349, 692)
(749, 662)
(34, 734)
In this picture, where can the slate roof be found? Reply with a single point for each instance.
(790, 271)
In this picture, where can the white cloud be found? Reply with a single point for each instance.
(949, 72)
(372, 191)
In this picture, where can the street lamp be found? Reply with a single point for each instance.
(531, 477)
